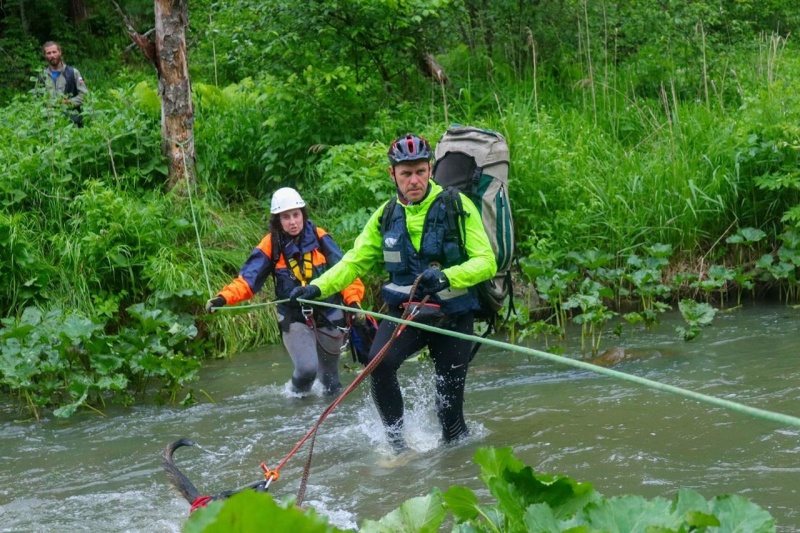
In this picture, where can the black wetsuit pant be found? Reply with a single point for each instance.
(450, 356)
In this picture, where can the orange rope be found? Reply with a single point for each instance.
(272, 475)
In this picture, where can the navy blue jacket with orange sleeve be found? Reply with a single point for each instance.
(301, 260)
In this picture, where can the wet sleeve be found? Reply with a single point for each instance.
(366, 252)
(480, 264)
(354, 292)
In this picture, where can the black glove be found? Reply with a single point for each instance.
(357, 318)
(213, 303)
(308, 292)
(432, 281)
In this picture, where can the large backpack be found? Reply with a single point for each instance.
(475, 161)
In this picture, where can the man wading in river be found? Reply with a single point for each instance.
(448, 276)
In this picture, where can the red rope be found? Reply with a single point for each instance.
(361, 376)
(201, 501)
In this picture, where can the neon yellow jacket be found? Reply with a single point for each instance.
(367, 250)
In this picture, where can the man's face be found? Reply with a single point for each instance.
(412, 179)
(53, 56)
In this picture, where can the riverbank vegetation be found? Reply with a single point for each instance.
(522, 500)
(654, 165)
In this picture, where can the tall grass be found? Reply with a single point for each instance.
(105, 234)
(618, 167)
(607, 155)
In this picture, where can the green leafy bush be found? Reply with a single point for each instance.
(24, 269)
(65, 361)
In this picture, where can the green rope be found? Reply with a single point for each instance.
(727, 404)
(194, 220)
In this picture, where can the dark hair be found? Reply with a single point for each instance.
(275, 221)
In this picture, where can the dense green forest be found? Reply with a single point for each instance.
(654, 165)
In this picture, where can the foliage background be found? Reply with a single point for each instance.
(633, 126)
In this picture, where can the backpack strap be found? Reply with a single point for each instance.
(71, 86)
(388, 209)
(456, 216)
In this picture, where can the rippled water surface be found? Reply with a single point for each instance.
(103, 473)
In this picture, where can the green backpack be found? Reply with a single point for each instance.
(475, 162)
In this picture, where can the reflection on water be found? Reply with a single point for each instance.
(103, 474)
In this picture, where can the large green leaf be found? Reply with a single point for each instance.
(541, 518)
(630, 514)
(462, 502)
(417, 515)
(738, 515)
(516, 486)
(494, 461)
(255, 511)
(693, 507)
(67, 411)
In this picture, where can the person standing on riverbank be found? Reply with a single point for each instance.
(296, 252)
(64, 83)
(412, 242)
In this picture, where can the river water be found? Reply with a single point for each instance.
(93, 473)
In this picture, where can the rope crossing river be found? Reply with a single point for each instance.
(763, 414)
(273, 475)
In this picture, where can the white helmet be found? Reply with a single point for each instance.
(284, 199)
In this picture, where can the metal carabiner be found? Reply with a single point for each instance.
(345, 347)
(269, 475)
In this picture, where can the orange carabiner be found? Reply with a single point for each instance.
(270, 475)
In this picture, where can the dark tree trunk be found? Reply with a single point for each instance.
(23, 18)
(174, 86)
(433, 69)
(77, 11)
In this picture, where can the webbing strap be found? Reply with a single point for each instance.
(304, 275)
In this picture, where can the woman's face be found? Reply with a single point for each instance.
(292, 222)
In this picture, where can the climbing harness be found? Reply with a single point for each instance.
(425, 312)
(307, 273)
(339, 339)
